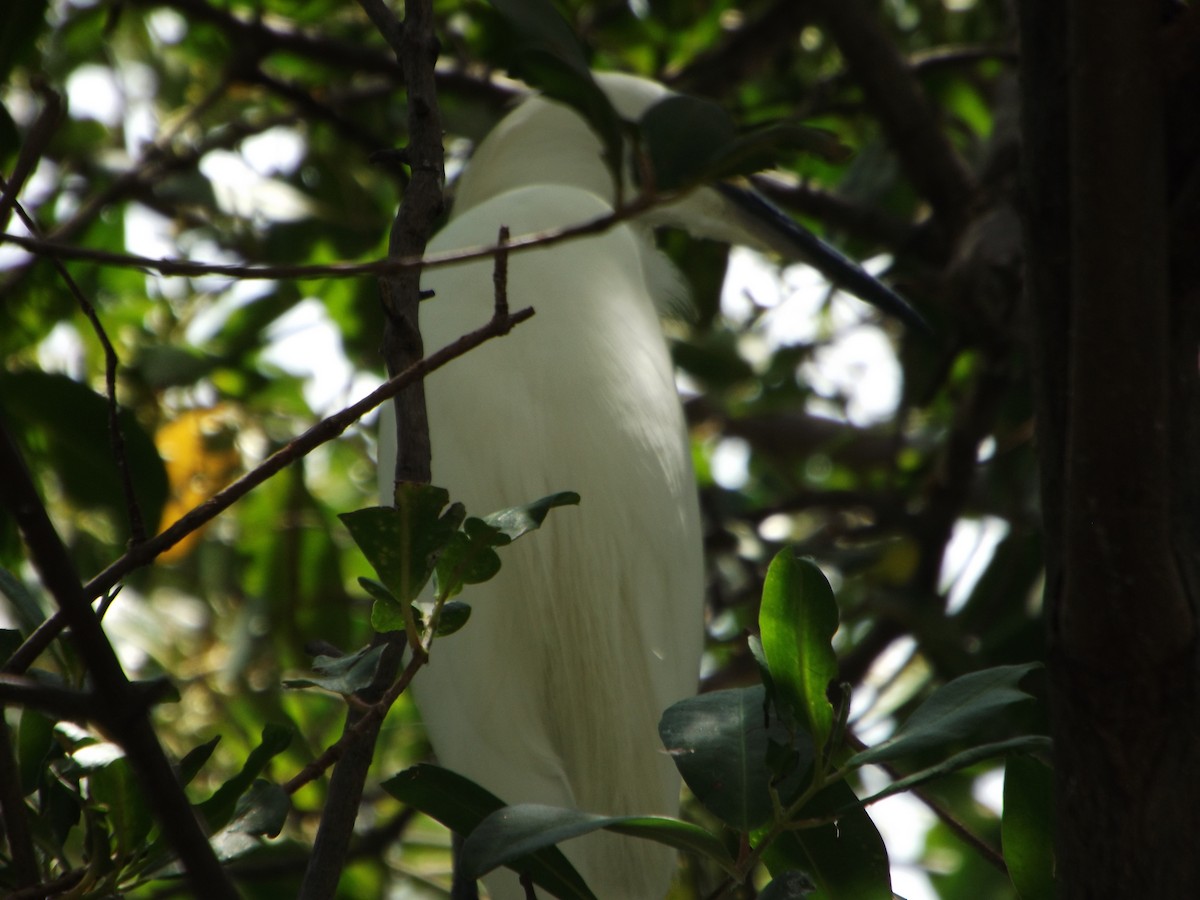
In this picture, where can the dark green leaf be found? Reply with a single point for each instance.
(545, 52)
(788, 886)
(469, 558)
(342, 674)
(218, 810)
(194, 760)
(262, 810)
(1027, 827)
(682, 135)
(454, 616)
(21, 601)
(514, 832)
(953, 712)
(847, 859)
(1029, 743)
(116, 788)
(35, 744)
(20, 25)
(520, 520)
(402, 543)
(72, 420)
(460, 804)
(797, 620)
(719, 742)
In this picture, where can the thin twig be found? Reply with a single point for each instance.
(189, 269)
(500, 272)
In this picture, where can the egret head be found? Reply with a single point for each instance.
(544, 142)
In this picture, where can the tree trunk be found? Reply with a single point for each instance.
(1116, 360)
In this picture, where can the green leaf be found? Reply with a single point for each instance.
(1029, 743)
(788, 886)
(953, 712)
(719, 742)
(21, 601)
(194, 760)
(546, 53)
(797, 620)
(20, 25)
(262, 810)
(514, 832)
(454, 616)
(171, 365)
(1027, 827)
(218, 810)
(70, 422)
(460, 804)
(682, 135)
(342, 674)
(847, 859)
(115, 787)
(402, 543)
(516, 521)
(35, 746)
(469, 558)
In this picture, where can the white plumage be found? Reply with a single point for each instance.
(553, 691)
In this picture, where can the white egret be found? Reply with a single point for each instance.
(553, 691)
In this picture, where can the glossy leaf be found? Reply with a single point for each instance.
(460, 804)
(402, 543)
(342, 674)
(847, 860)
(719, 742)
(261, 812)
(797, 620)
(953, 712)
(1029, 743)
(514, 832)
(219, 809)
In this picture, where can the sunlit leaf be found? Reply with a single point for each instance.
(797, 620)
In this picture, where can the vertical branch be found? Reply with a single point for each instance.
(415, 46)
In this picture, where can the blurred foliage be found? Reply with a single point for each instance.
(243, 132)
